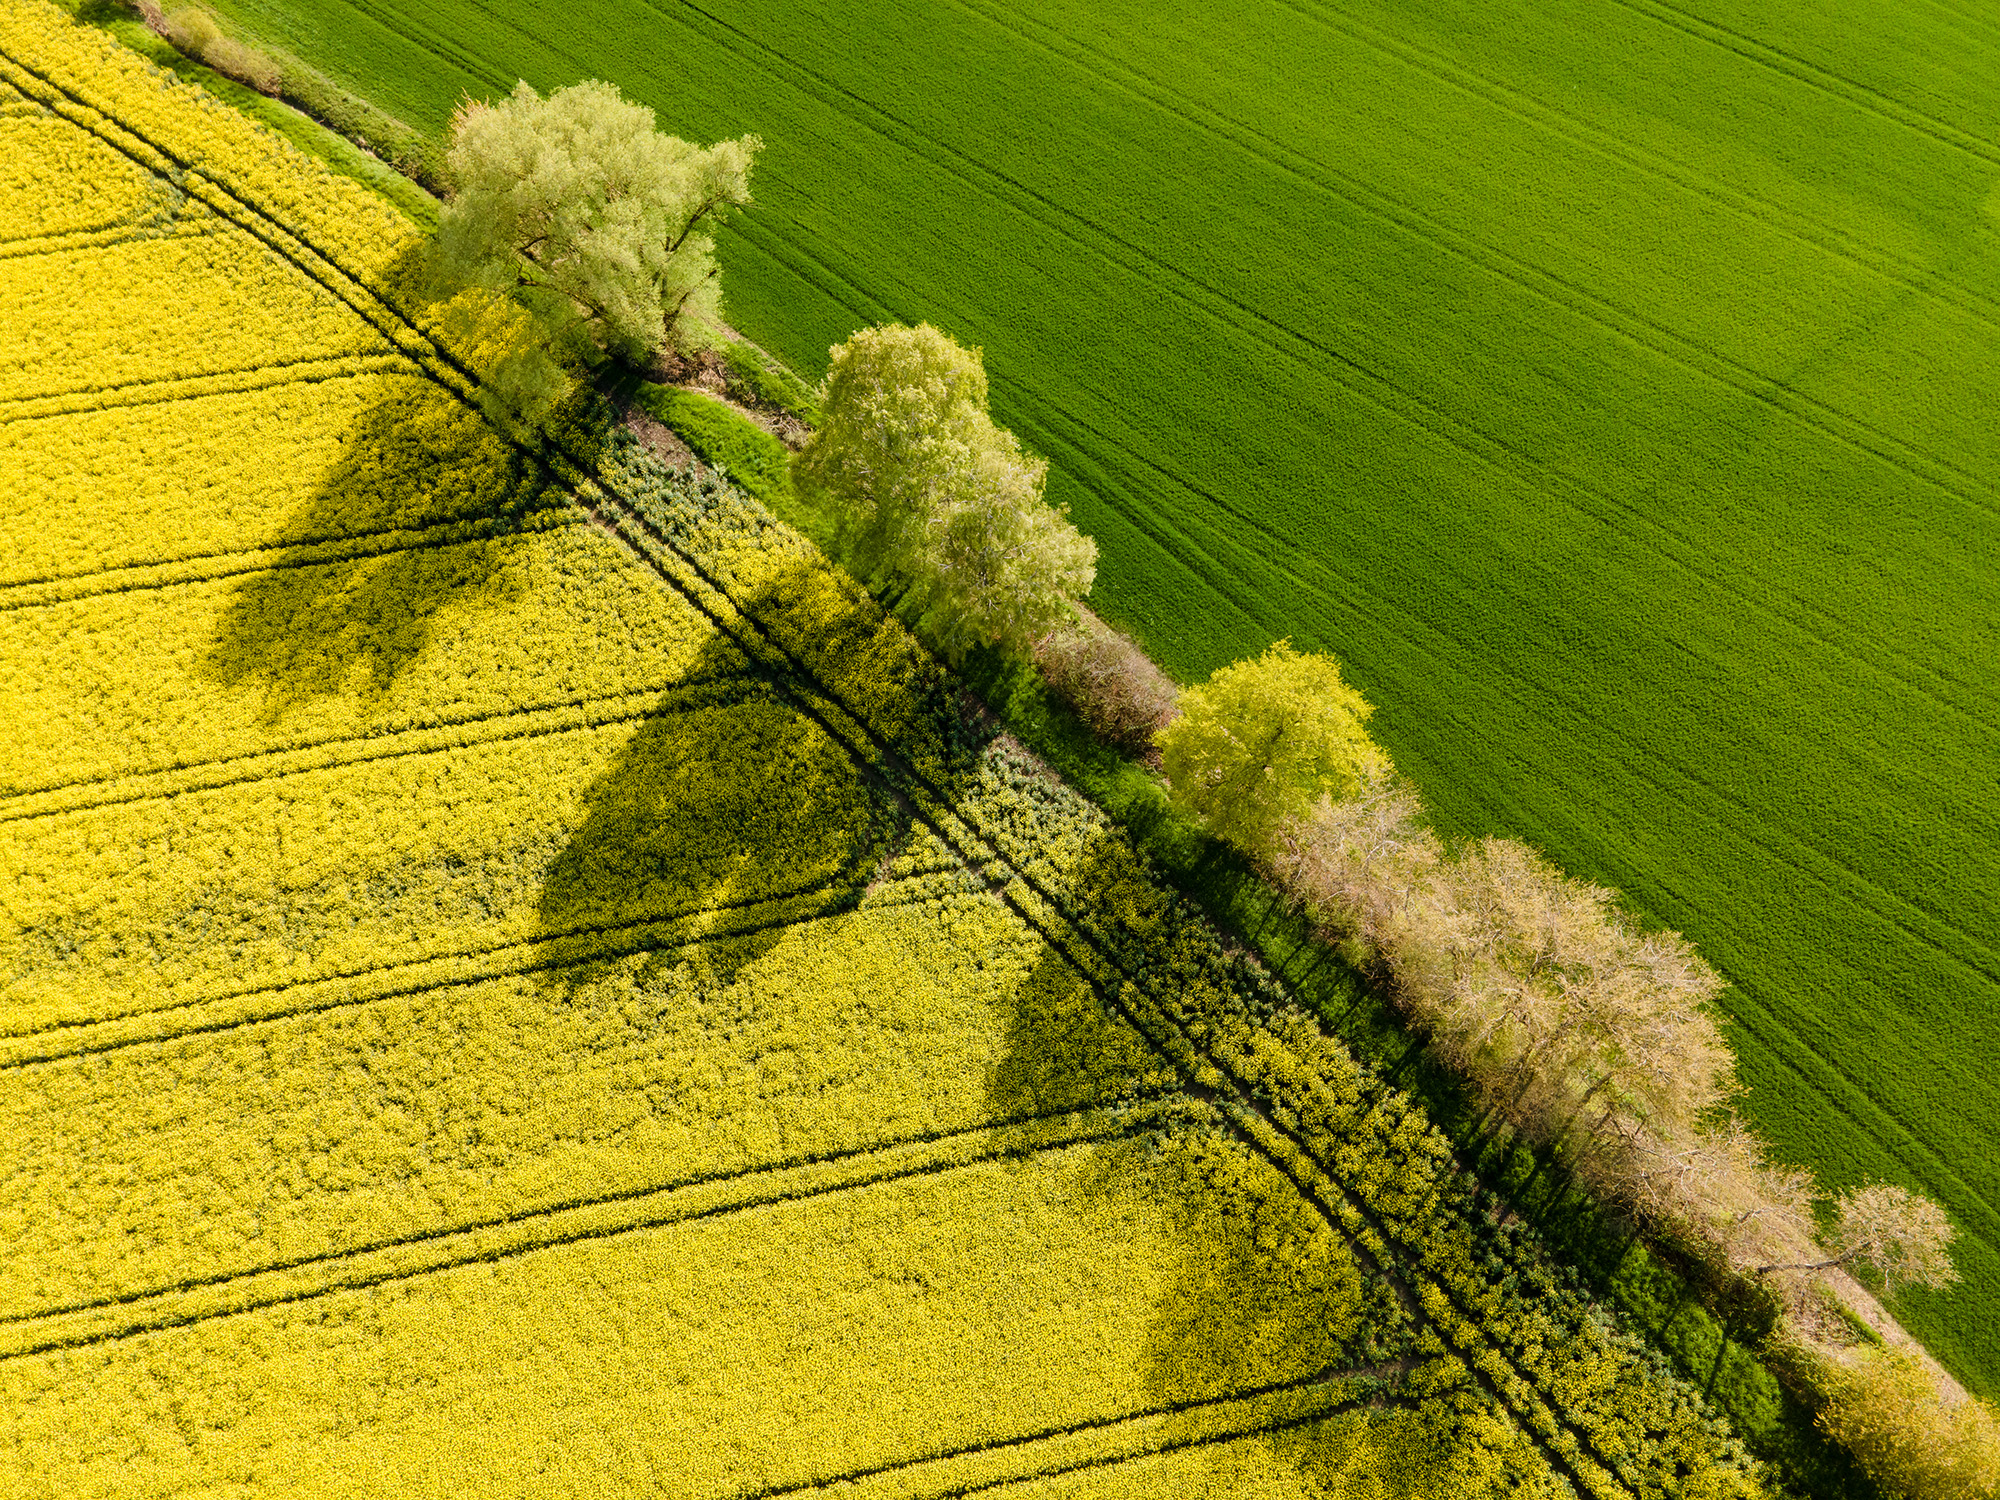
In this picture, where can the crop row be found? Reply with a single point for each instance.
(165, 309)
(119, 487)
(57, 180)
(291, 656)
(139, 907)
(1017, 1297)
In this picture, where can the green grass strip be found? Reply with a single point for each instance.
(723, 438)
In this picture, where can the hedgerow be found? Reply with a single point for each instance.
(1600, 1396)
(1635, 568)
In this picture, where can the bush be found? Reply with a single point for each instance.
(1887, 1411)
(1110, 682)
(195, 32)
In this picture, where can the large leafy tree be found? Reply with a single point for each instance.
(579, 204)
(926, 491)
(1263, 740)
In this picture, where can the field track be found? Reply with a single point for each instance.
(1605, 383)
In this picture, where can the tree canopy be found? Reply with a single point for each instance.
(577, 202)
(1263, 740)
(925, 489)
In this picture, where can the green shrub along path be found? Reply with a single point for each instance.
(1608, 382)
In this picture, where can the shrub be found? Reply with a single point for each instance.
(195, 32)
(1113, 686)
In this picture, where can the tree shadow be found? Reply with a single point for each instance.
(416, 515)
(728, 812)
(413, 519)
(1261, 1289)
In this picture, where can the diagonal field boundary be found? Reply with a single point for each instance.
(1571, 1451)
(707, 594)
(557, 1226)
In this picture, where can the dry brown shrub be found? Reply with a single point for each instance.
(246, 64)
(1109, 681)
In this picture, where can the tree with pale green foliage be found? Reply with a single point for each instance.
(925, 491)
(590, 215)
(1263, 740)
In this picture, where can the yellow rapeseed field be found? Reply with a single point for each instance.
(515, 980)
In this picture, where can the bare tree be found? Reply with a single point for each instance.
(1903, 1235)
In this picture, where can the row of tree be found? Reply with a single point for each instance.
(1591, 1036)
(577, 206)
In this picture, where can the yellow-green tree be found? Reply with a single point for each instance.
(594, 217)
(1889, 1413)
(926, 490)
(1263, 740)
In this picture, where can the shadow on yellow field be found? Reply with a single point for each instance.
(419, 510)
(1262, 1290)
(724, 799)
(419, 461)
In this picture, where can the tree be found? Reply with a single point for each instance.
(601, 222)
(1902, 1234)
(925, 490)
(1263, 740)
(1889, 1413)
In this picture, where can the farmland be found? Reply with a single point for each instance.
(1604, 383)
(518, 979)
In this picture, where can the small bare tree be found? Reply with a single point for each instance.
(1903, 1235)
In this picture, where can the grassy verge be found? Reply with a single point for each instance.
(725, 439)
(317, 140)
